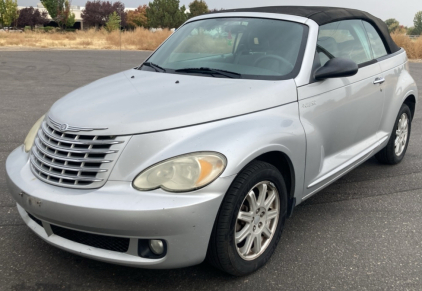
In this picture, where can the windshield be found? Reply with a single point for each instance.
(249, 48)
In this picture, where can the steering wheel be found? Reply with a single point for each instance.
(278, 58)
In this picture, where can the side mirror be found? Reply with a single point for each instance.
(336, 68)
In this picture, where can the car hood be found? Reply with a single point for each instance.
(137, 101)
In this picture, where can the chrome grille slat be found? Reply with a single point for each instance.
(70, 159)
(71, 150)
(75, 178)
(78, 142)
(74, 160)
(65, 167)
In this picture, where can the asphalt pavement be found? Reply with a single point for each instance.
(364, 232)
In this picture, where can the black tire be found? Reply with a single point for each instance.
(388, 155)
(222, 252)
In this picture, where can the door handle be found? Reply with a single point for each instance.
(379, 81)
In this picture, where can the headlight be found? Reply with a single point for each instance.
(30, 138)
(182, 173)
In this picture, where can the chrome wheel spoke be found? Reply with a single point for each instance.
(245, 216)
(248, 245)
(272, 214)
(267, 232)
(252, 201)
(270, 199)
(262, 194)
(257, 244)
(242, 234)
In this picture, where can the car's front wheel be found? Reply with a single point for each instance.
(394, 151)
(250, 220)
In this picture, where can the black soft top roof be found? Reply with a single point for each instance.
(324, 15)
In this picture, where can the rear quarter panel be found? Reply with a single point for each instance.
(398, 85)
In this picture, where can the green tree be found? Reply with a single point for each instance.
(197, 7)
(54, 7)
(166, 13)
(411, 31)
(70, 20)
(113, 22)
(68, 17)
(417, 21)
(59, 11)
(8, 12)
(392, 24)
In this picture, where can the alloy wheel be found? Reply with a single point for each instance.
(257, 220)
(402, 132)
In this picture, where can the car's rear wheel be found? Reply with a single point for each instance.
(394, 151)
(250, 220)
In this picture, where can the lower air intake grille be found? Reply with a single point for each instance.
(117, 244)
(39, 222)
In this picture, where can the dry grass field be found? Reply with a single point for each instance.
(413, 47)
(139, 39)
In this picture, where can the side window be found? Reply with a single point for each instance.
(378, 47)
(343, 39)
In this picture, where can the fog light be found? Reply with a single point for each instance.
(156, 246)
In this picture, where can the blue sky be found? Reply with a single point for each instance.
(402, 10)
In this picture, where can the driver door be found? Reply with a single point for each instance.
(341, 116)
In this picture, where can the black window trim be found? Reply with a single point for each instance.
(387, 56)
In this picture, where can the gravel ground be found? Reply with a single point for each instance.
(361, 233)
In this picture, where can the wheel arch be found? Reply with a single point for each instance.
(283, 163)
(411, 102)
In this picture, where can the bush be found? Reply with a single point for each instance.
(27, 28)
(413, 47)
(46, 29)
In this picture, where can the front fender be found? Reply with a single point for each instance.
(241, 139)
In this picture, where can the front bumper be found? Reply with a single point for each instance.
(184, 221)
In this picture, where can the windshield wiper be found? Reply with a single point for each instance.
(154, 66)
(210, 71)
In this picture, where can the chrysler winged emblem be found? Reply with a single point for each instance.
(64, 127)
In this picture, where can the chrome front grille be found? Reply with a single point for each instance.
(74, 160)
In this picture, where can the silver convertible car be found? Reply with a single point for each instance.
(204, 150)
